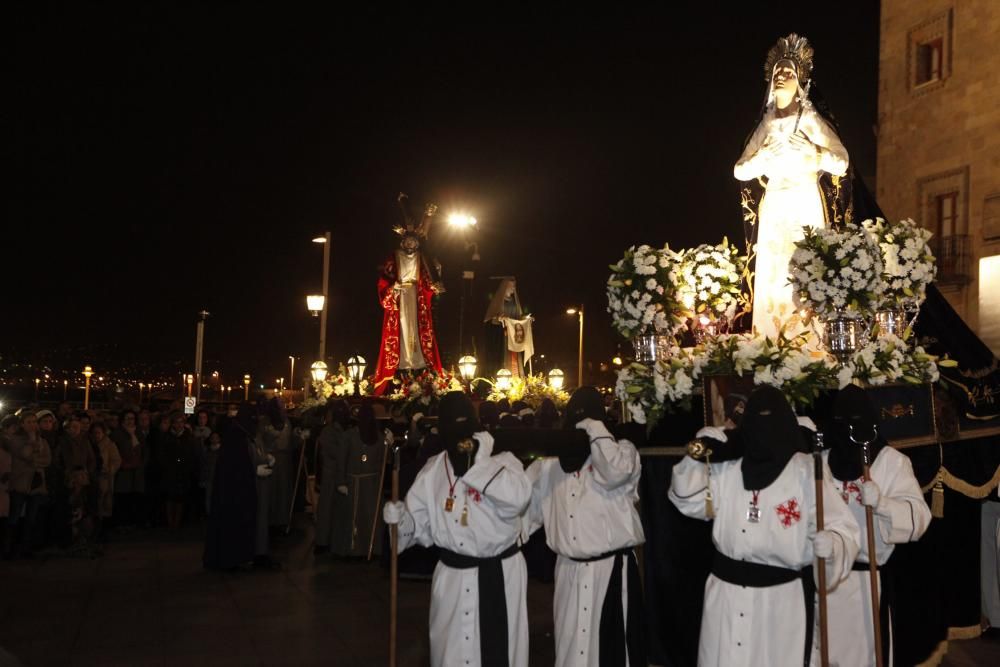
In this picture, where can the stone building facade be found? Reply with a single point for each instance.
(939, 142)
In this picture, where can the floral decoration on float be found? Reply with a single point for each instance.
(532, 389)
(842, 275)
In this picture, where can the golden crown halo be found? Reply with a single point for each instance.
(795, 48)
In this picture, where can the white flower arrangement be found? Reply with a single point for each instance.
(888, 359)
(908, 263)
(643, 292)
(837, 272)
(711, 279)
(532, 389)
(339, 385)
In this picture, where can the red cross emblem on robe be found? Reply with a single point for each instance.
(788, 512)
(475, 495)
(849, 489)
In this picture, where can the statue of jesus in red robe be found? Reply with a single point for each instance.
(406, 288)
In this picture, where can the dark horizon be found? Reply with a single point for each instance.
(169, 163)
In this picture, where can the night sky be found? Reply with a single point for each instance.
(170, 161)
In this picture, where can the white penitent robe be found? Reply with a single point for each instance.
(586, 514)
(745, 626)
(902, 516)
(410, 355)
(792, 201)
(495, 492)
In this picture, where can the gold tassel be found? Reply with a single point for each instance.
(937, 499)
(709, 507)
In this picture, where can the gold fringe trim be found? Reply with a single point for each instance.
(935, 658)
(970, 632)
(963, 487)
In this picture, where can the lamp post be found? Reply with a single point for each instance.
(190, 383)
(199, 348)
(556, 379)
(579, 364)
(246, 387)
(356, 371)
(467, 369)
(65, 388)
(463, 222)
(140, 393)
(280, 382)
(325, 240)
(87, 372)
(319, 371)
(291, 374)
(503, 379)
(38, 381)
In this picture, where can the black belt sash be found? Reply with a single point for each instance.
(757, 575)
(617, 632)
(493, 640)
(886, 599)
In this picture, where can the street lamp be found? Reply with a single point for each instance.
(37, 382)
(356, 371)
(291, 374)
(318, 371)
(246, 387)
(65, 388)
(461, 220)
(467, 369)
(190, 383)
(556, 378)
(325, 240)
(579, 364)
(503, 379)
(315, 303)
(87, 372)
(140, 393)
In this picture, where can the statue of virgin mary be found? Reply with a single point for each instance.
(796, 155)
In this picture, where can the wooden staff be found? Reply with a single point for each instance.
(824, 653)
(295, 489)
(381, 487)
(393, 563)
(872, 554)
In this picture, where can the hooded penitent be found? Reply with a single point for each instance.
(456, 424)
(852, 409)
(770, 436)
(585, 403)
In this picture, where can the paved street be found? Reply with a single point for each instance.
(149, 602)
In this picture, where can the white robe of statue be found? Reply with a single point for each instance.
(410, 355)
(901, 516)
(792, 200)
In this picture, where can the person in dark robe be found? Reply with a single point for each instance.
(332, 439)
(229, 540)
(359, 465)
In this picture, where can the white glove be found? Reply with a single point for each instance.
(595, 429)
(823, 544)
(712, 432)
(871, 495)
(270, 459)
(264, 471)
(342, 490)
(417, 416)
(393, 512)
(807, 423)
(389, 437)
(485, 450)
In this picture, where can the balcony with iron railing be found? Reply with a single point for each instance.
(953, 255)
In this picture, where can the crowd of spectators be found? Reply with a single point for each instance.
(70, 480)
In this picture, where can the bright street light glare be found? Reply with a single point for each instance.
(319, 239)
(571, 311)
(461, 220)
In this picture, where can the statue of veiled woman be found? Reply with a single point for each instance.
(795, 156)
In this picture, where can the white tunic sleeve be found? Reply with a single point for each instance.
(838, 519)
(415, 526)
(688, 488)
(502, 480)
(533, 518)
(616, 465)
(902, 514)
